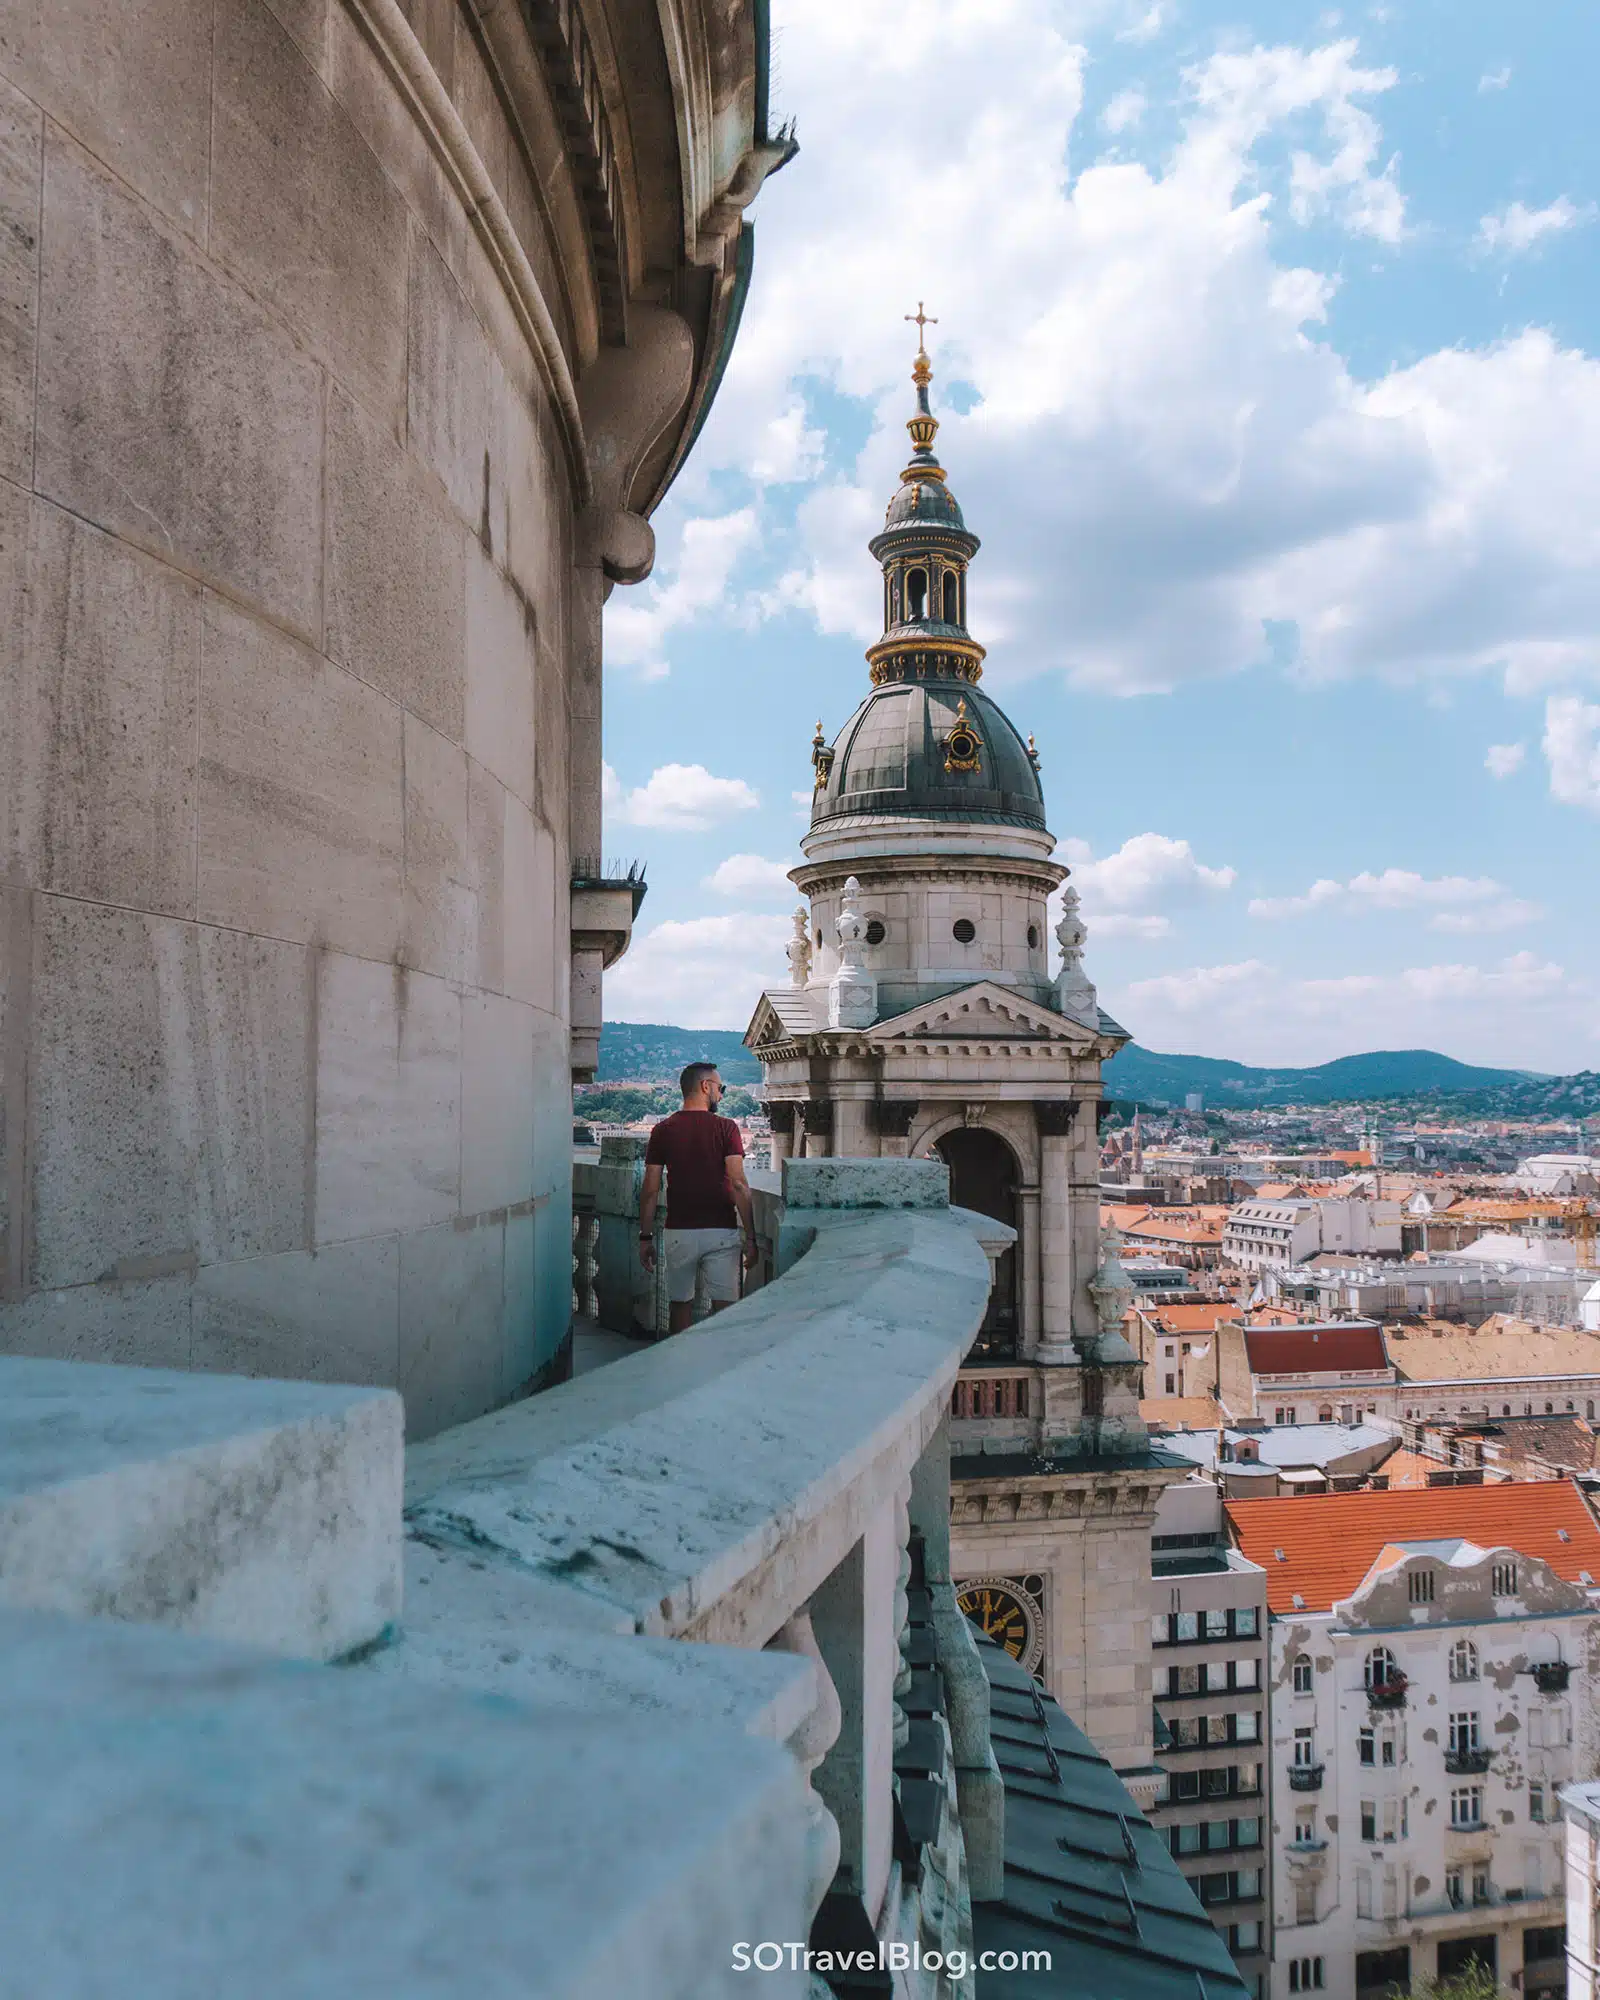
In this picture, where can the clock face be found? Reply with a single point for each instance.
(1009, 1612)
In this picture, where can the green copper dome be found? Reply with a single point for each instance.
(926, 743)
(933, 749)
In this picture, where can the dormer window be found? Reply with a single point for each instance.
(1419, 1584)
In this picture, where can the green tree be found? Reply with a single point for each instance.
(1474, 1982)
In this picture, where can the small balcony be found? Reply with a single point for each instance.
(1550, 1676)
(1305, 1777)
(1389, 1693)
(1467, 1762)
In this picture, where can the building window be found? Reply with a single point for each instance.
(1305, 1902)
(1305, 1829)
(1366, 1747)
(1419, 1585)
(1172, 1385)
(1369, 1819)
(1247, 1673)
(1504, 1579)
(1463, 1661)
(1363, 1893)
(1464, 1729)
(1536, 1802)
(963, 930)
(1386, 1748)
(1184, 1680)
(1305, 1974)
(1466, 1806)
(1304, 1748)
(1186, 1625)
(1480, 1886)
(1302, 1673)
(1381, 1668)
(1246, 1622)
(1247, 1726)
(1215, 1625)
(1453, 1887)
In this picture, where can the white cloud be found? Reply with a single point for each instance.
(1572, 750)
(1523, 1011)
(1148, 327)
(1124, 111)
(1517, 229)
(751, 877)
(1148, 874)
(1146, 27)
(701, 973)
(1460, 903)
(683, 798)
(1502, 759)
(1494, 79)
(640, 619)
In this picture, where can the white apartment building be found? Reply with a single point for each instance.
(1208, 1630)
(1580, 1808)
(1432, 1660)
(1277, 1235)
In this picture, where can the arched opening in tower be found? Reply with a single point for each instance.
(917, 593)
(950, 617)
(983, 1175)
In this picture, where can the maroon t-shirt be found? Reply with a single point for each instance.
(694, 1147)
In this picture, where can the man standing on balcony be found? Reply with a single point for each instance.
(708, 1198)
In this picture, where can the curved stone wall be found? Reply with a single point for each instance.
(288, 482)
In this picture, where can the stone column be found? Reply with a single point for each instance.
(818, 1114)
(1056, 1246)
(782, 1119)
(853, 1135)
(852, 1618)
(1083, 1196)
(1030, 1332)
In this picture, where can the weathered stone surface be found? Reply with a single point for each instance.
(103, 681)
(825, 1183)
(300, 207)
(132, 86)
(21, 157)
(529, 962)
(497, 1101)
(441, 910)
(452, 1350)
(774, 1476)
(260, 1511)
(453, 397)
(396, 574)
(330, 1315)
(146, 1323)
(301, 799)
(388, 1098)
(521, 1300)
(487, 805)
(501, 669)
(364, 1839)
(480, 1626)
(168, 1093)
(171, 410)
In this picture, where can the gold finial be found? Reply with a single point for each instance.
(921, 372)
(1033, 751)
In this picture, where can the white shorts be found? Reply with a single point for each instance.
(713, 1251)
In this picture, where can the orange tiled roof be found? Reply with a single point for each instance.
(1180, 1230)
(1318, 1350)
(1330, 1540)
(1195, 1318)
(1118, 1214)
(1408, 1469)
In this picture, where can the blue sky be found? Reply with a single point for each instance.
(1266, 361)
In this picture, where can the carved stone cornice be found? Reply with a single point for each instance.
(1092, 1495)
(572, 73)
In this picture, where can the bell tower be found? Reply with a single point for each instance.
(922, 1017)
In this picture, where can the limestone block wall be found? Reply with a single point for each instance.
(286, 562)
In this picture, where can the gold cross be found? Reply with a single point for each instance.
(921, 320)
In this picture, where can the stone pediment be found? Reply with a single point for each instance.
(987, 1012)
(784, 1014)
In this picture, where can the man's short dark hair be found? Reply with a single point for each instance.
(694, 1076)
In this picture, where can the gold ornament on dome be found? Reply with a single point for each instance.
(963, 747)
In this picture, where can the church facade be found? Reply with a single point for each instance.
(922, 1018)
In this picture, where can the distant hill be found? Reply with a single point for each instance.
(648, 1052)
(1141, 1073)
(643, 1052)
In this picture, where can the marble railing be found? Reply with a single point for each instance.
(709, 1585)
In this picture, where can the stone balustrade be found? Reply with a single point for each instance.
(708, 1584)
